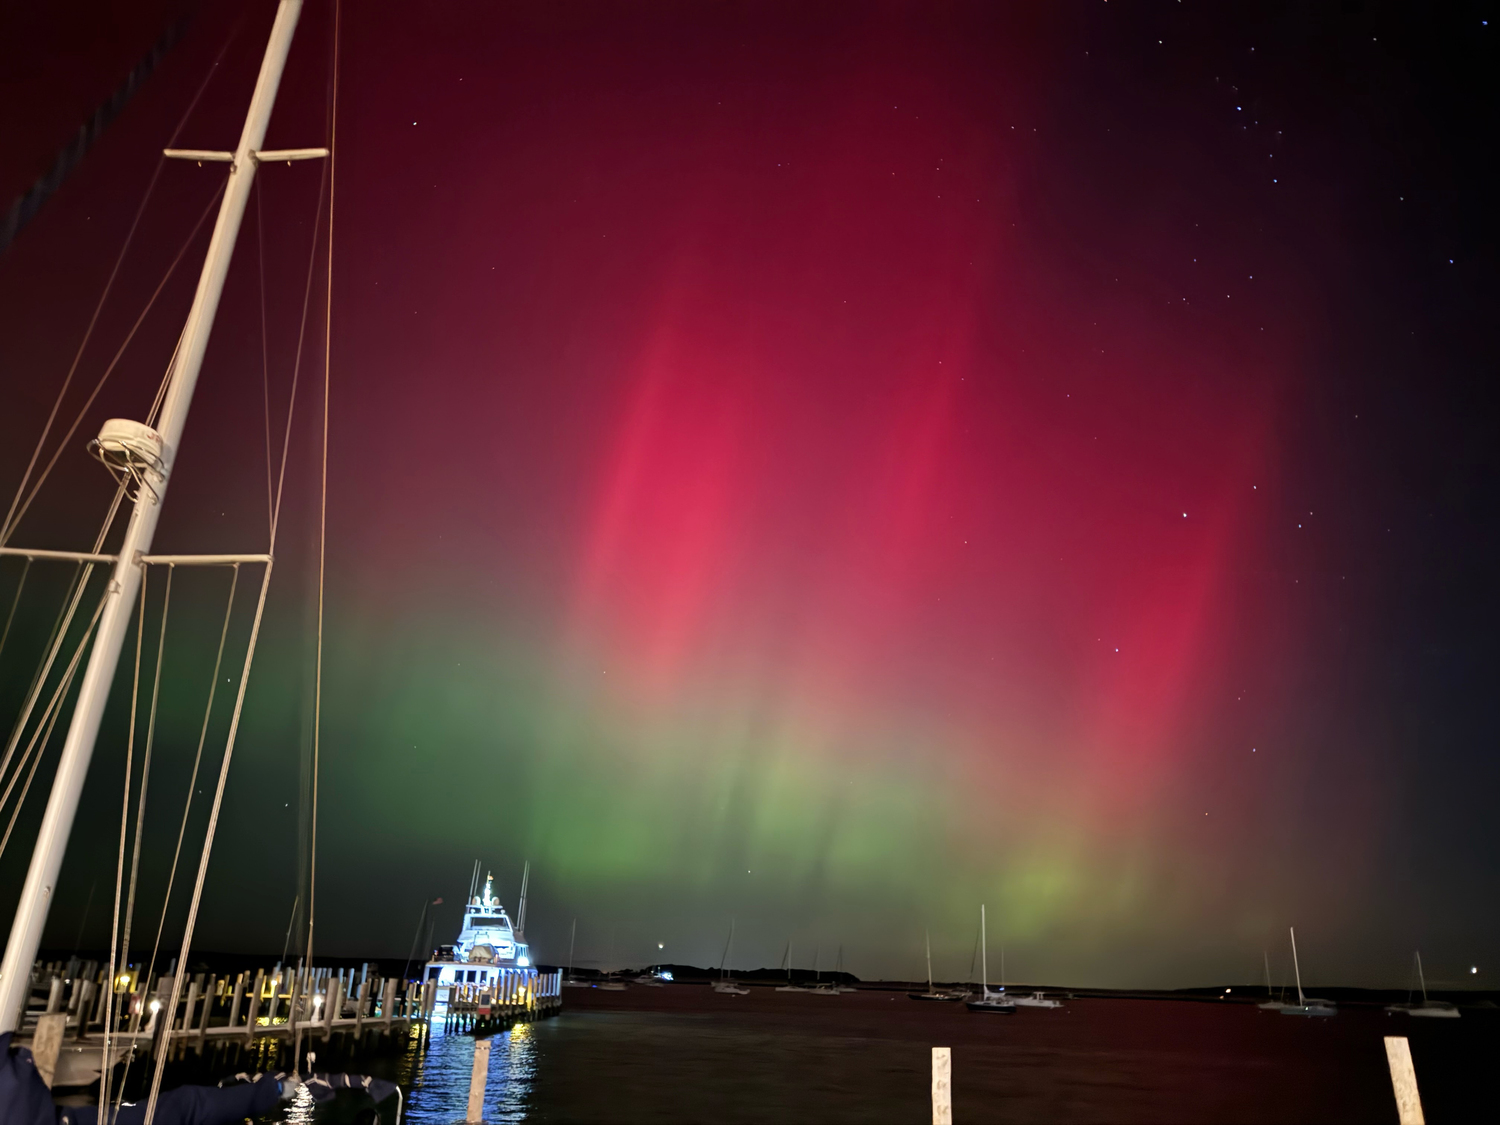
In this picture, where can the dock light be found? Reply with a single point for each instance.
(524, 962)
(156, 1005)
(317, 1001)
(1474, 969)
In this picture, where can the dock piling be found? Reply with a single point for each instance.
(942, 1086)
(1404, 1080)
(477, 1080)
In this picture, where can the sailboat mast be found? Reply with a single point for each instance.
(928, 935)
(1421, 976)
(120, 594)
(572, 939)
(984, 949)
(1301, 999)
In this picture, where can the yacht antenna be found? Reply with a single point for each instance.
(153, 471)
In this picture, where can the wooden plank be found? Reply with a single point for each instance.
(1404, 1080)
(942, 1086)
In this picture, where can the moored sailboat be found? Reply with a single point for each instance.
(1306, 1005)
(932, 993)
(995, 1002)
(1428, 1008)
(725, 984)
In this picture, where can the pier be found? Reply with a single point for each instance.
(251, 1011)
(64, 1020)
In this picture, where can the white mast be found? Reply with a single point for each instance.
(521, 908)
(120, 595)
(928, 935)
(1301, 1000)
(984, 951)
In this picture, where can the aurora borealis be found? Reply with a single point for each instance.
(834, 468)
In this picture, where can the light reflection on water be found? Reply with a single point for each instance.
(439, 1091)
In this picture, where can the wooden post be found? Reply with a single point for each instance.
(942, 1086)
(54, 996)
(1404, 1080)
(208, 1007)
(359, 1009)
(275, 997)
(477, 1079)
(46, 1044)
(388, 1003)
(239, 997)
(254, 1013)
(187, 1014)
(333, 1000)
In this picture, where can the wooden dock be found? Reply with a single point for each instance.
(251, 1012)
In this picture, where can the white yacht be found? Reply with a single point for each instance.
(490, 954)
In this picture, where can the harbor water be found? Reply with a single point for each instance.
(685, 1054)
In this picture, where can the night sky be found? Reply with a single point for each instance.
(823, 465)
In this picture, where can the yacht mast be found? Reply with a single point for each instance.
(120, 595)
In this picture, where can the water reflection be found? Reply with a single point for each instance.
(439, 1090)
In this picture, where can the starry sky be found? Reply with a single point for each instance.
(824, 466)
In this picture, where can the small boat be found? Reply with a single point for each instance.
(1306, 1005)
(725, 985)
(1429, 1009)
(994, 1002)
(1036, 1000)
(932, 993)
(819, 988)
(611, 983)
(838, 968)
(1270, 1003)
(568, 981)
(786, 963)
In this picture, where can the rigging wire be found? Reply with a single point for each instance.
(107, 1070)
(140, 811)
(15, 601)
(265, 360)
(53, 711)
(198, 757)
(208, 838)
(108, 371)
(60, 626)
(312, 882)
(8, 526)
(286, 444)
